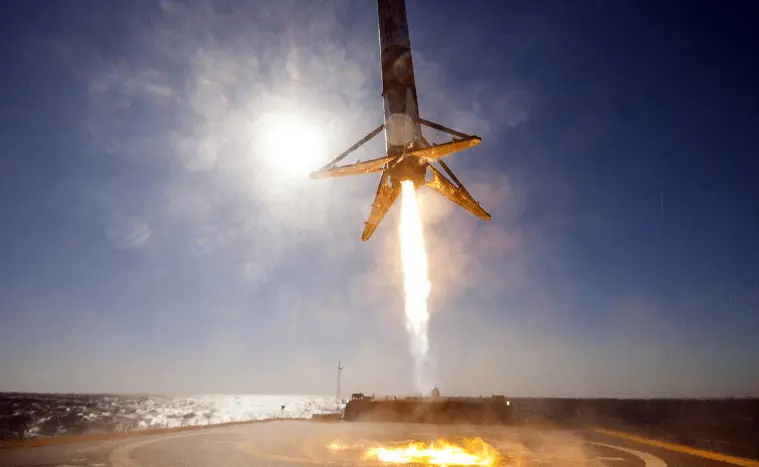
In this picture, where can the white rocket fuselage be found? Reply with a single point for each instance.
(402, 128)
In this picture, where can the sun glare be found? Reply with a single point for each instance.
(292, 146)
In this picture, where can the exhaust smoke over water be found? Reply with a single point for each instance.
(416, 284)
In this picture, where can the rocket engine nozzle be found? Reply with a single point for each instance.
(408, 168)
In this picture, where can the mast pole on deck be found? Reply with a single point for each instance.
(339, 381)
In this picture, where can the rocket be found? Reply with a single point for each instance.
(403, 130)
(409, 156)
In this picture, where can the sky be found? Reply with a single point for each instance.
(159, 232)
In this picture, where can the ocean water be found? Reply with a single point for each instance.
(46, 415)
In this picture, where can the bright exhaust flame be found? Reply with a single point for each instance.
(416, 282)
(440, 452)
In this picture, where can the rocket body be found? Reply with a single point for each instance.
(402, 127)
(409, 157)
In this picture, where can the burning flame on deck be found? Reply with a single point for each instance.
(440, 452)
(416, 281)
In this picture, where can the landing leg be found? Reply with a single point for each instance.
(383, 201)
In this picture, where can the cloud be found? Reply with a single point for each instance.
(185, 108)
(128, 233)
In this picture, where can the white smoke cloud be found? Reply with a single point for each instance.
(190, 101)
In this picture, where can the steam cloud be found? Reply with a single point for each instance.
(214, 82)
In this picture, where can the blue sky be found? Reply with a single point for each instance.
(154, 238)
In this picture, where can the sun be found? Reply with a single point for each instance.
(292, 145)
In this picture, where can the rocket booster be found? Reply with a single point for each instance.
(402, 127)
(409, 156)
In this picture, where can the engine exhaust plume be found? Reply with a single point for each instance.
(416, 283)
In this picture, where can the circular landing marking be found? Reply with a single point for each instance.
(648, 459)
(249, 449)
(319, 455)
(119, 457)
(309, 456)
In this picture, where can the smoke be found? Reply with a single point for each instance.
(236, 272)
(230, 192)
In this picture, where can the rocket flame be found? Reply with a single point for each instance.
(416, 281)
(440, 452)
